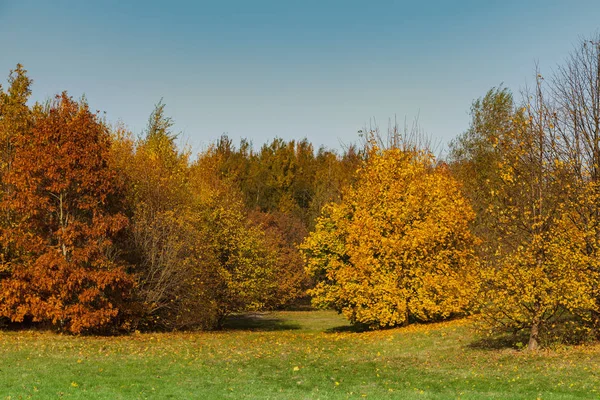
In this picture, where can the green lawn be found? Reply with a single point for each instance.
(291, 355)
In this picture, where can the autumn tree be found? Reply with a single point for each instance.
(286, 176)
(67, 211)
(15, 120)
(474, 155)
(540, 209)
(236, 268)
(536, 272)
(283, 233)
(333, 173)
(397, 248)
(160, 239)
(573, 93)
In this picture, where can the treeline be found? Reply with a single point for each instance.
(104, 231)
(507, 228)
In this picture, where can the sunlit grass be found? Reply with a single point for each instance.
(291, 355)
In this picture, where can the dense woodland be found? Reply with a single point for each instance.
(104, 231)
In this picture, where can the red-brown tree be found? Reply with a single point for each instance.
(66, 202)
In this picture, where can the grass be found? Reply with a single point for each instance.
(291, 355)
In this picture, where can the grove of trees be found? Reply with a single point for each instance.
(102, 231)
(105, 231)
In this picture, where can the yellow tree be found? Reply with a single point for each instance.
(538, 270)
(236, 267)
(397, 248)
(574, 90)
(474, 155)
(161, 237)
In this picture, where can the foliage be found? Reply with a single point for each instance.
(66, 202)
(283, 233)
(286, 177)
(535, 273)
(101, 229)
(15, 120)
(475, 154)
(235, 268)
(196, 254)
(161, 239)
(284, 185)
(398, 247)
(573, 94)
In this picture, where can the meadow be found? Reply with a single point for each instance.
(292, 355)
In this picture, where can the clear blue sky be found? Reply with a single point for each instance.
(292, 69)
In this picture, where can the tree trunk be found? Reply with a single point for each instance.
(596, 320)
(406, 315)
(534, 335)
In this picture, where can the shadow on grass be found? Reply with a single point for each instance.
(356, 328)
(264, 322)
(359, 328)
(500, 342)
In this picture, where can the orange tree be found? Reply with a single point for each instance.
(282, 234)
(397, 248)
(15, 119)
(66, 206)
